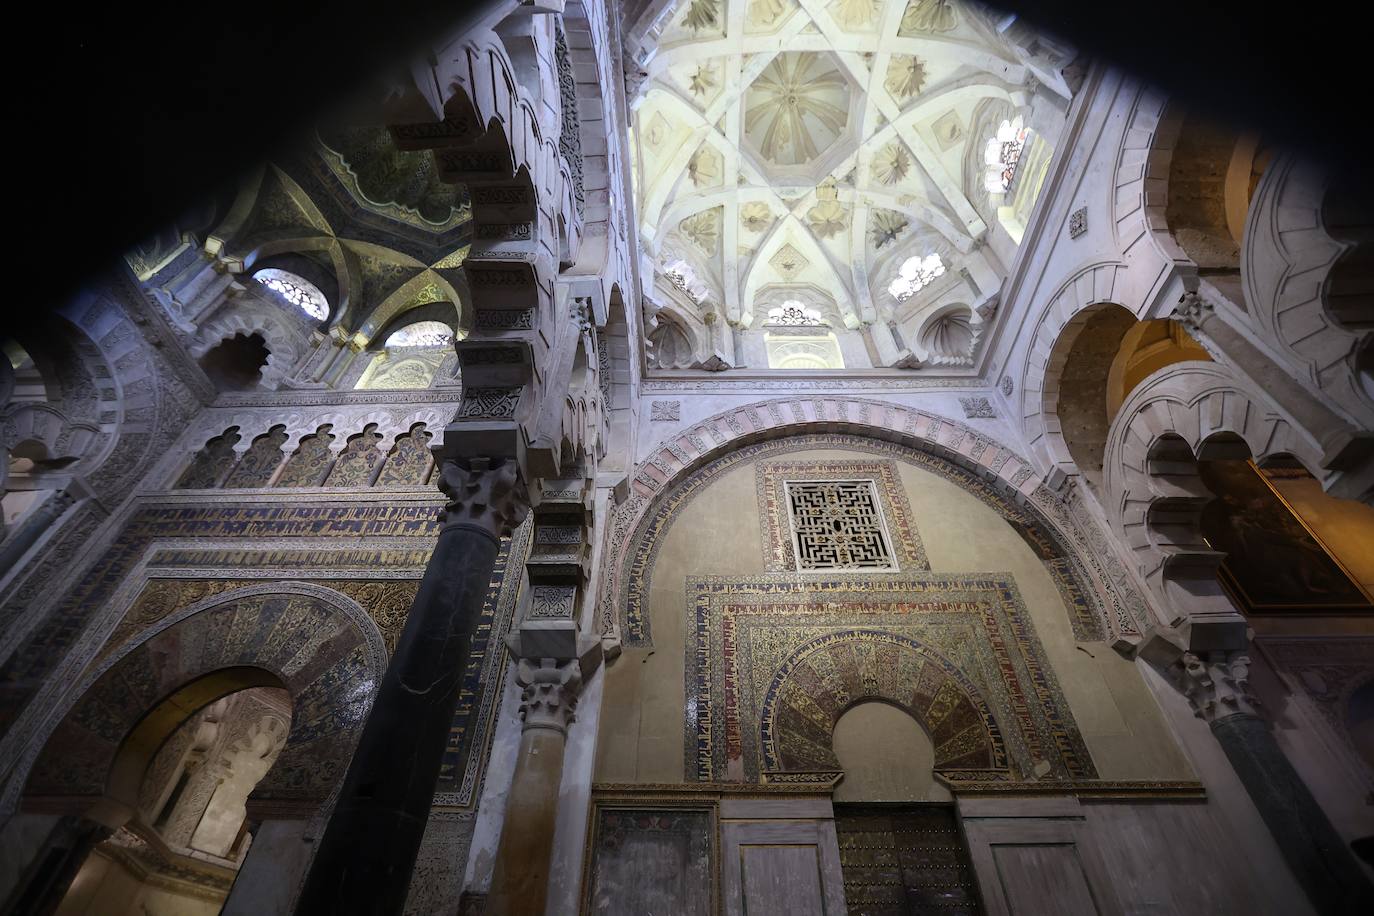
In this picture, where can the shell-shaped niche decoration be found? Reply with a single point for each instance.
(950, 337)
(928, 16)
(905, 76)
(702, 229)
(766, 12)
(755, 216)
(657, 131)
(704, 167)
(854, 14)
(885, 226)
(669, 346)
(891, 164)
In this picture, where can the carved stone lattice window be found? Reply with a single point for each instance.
(838, 524)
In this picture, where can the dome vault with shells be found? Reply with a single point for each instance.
(834, 185)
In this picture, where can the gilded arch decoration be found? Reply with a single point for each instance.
(832, 673)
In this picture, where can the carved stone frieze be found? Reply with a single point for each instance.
(665, 411)
(977, 408)
(489, 403)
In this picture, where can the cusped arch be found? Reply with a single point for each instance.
(1176, 415)
(285, 344)
(1288, 259)
(831, 674)
(1109, 599)
(317, 643)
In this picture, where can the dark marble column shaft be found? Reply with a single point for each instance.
(369, 846)
(1320, 859)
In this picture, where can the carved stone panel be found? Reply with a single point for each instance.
(652, 860)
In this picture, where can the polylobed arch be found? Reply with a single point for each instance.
(316, 643)
(1154, 497)
(1304, 272)
(1106, 586)
(284, 343)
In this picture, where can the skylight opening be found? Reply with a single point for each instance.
(422, 334)
(295, 290)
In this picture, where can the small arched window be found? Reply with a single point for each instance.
(295, 290)
(1003, 154)
(422, 334)
(915, 273)
(793, 314)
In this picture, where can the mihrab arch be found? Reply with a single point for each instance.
(826, 677)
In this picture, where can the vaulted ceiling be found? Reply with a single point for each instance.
(804, 149)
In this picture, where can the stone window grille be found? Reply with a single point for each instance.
(838, 525)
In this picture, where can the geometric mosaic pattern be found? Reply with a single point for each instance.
(773, 661)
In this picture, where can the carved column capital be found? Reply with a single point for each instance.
(484, 493)
(549, 690)
(1217, 684)
(1192, 309)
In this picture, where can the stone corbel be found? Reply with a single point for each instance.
(557, 570)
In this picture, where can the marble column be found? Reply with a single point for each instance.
(369, 846)
(1217, 685)
(547, 705)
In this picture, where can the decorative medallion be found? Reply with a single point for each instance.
(905, 77)
(891, 164)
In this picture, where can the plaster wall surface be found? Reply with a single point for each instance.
(718, 533)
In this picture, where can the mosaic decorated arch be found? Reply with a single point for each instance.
(1102, 598)
(832, 673)
(773, 661)
(317, 643)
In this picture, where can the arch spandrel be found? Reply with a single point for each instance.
(1106, 585)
